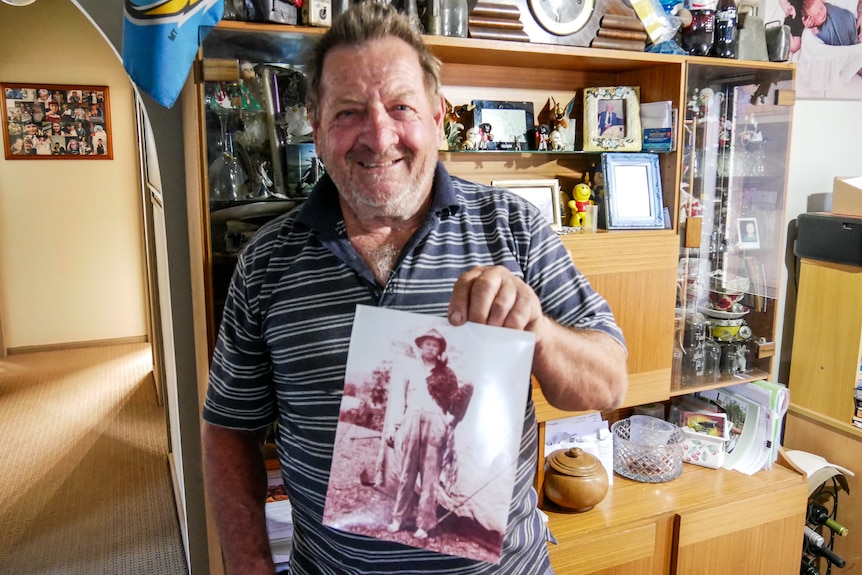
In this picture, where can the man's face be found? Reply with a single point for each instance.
(430, 348)
(817, 12)
(377, 129)
(609, 108)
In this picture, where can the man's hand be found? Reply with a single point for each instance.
(494, 296)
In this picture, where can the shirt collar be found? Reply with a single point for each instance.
(321, 212)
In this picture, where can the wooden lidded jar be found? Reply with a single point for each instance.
(574, 479)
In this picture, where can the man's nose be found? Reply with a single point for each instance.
(380, 131)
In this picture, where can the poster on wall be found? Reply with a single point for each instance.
(825, 45)
(51, 121)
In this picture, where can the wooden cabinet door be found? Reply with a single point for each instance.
(759, 535)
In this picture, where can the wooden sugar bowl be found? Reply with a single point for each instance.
(575, 480)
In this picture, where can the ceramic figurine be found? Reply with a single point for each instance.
(487, 140)
(560, 120)
(474, 138)
(452, 124)
(542, 138)
(556, 141)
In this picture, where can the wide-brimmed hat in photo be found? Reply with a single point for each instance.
(432, 334)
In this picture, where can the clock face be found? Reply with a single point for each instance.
(562, 17)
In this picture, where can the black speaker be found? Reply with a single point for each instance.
(829, 237)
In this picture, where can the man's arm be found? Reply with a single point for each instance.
(577, 369)
(235, 479)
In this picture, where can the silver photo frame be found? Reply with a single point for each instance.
(633, 195)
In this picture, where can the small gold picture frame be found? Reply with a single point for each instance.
(612, 120)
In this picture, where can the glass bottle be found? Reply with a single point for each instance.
(693, 359)
(225, 173)
(411, 9)
(453, 14)
(433, 20)
(698, 37)
(676, 363)
(726, 17)
(712, 359)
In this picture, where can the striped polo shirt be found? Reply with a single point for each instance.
(281, 353)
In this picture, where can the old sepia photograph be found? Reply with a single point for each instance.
(429, 432)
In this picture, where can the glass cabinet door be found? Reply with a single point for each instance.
(258, 154)
(735, 140)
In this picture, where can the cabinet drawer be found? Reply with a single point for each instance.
(630, 551)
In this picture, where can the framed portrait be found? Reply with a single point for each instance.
(544, 194)
(505, 125)
(749, 235)
(612, 119)
(57, 122)
(633, 196)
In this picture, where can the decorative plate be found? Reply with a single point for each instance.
(717, 313)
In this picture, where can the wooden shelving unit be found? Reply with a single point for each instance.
(704, 521)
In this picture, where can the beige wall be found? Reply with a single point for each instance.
(71, 255)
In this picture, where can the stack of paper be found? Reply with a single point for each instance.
(279, 521)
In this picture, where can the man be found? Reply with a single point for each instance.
(425, 405)
(608, 118)
(385, 226)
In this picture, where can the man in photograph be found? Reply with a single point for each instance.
(425, 403)
(610, 123)
(749, 232)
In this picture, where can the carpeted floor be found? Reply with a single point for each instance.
(85, 486)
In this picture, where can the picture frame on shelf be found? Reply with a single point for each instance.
(302, 169)
(510, 124)
(56, 121)
(633, 194)
(612, 119)
(544, 194)
(749, 235)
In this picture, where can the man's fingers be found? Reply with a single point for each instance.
(491, 296)
(459, 303)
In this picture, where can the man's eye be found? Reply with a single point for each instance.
(346, 116)
(402, 111)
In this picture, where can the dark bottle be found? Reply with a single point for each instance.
(698, 37)
(726, 17)
(816, 545)
(820, 516)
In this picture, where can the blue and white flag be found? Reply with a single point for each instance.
(161, 39)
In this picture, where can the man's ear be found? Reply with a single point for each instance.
(440, 112)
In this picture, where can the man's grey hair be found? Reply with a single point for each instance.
(360, 24)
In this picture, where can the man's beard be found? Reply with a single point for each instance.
(402, 204)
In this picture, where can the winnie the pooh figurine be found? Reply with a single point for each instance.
(582, 194)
